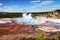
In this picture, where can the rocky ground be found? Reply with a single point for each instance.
(17, 32)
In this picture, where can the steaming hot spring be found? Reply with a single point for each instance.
(28, 19)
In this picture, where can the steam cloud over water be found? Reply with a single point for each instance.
(28, 19)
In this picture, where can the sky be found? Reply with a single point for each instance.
(29, 5)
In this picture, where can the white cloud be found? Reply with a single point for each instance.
(1, 4)
(35, 1)
(42, 3)
(55, 6)
(9, 9)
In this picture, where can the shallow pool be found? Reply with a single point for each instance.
(29, 21)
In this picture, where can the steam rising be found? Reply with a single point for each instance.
(28, 19)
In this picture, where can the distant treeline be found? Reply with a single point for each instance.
(18, 14)
(39, 13)
(10, 15)
(15, 15)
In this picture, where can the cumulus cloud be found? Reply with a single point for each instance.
(42, 3)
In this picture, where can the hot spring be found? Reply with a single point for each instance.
(28, 19)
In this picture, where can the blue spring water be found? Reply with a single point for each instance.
(29, 22)
(34, 21)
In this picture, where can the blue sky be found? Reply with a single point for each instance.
(29, 5)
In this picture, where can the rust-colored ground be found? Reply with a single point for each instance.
(16, 32)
